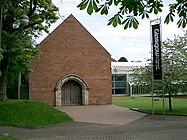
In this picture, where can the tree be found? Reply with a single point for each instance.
(113, 60)
(174, 61)
(122, 59)
(17, 46)
(175, 65)
(129, 10)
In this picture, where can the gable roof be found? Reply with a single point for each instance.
(74, 21)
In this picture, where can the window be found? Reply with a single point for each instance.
(119, 84)
(25, 79)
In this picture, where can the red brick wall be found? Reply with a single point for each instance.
(70, 49)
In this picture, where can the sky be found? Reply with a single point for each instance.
(133, 44)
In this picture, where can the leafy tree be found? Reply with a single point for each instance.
(175, 65)
(113, 60)
(142, 75)
(17, 46)
(129, 10)
(174, 61)
(122, 59)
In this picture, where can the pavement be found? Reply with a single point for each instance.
(106, 122)
(102, 114)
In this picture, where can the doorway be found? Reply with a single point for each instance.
(71, 89)
(71, 93)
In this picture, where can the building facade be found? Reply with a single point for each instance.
(74, 68)
(122, 78)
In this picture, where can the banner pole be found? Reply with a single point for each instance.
(163, 96)
(152, 70)
(156, 57)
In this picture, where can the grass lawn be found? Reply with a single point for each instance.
(144, 104)
(7, 138)
(29, 114)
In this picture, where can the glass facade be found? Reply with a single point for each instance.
(119, 84)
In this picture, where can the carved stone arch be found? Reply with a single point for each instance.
(63, 80)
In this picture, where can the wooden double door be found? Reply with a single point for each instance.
(71, 93)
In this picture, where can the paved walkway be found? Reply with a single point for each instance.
(106, 122)
(102, 114)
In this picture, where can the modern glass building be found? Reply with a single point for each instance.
(122, 77)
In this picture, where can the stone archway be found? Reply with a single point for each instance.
(63, 80)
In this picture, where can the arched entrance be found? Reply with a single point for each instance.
(70, 90)
(71, 93)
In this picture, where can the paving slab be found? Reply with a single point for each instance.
(102, 114)
(145, 128)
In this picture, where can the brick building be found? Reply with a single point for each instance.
(73, 69)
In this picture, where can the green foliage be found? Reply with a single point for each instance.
(181, 8)
(12, 88)
(1, 56)
(115, 20)
(18, 47)
(123, 59)
(45, 15)
(29, 114)
(113, 60)
(129, 10)
(130, 21)
(143, 76)
(174, 60)
(2, 137)
(21, 50)
(145, 104)
(175, 63)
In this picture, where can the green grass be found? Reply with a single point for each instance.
(144, 104)
(29, 114)
(7, 138)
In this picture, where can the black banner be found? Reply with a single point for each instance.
(157, 62)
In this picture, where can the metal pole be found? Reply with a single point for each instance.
(163, 107)
(114, 84)
(19, 84)
(152, 71)
(163, 100)
(155, 80)
(131, 90)
(152, 104)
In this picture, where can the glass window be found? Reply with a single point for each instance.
(119, 84)
(113, 84)
(25, 79)
(120, 78)
(118, 91)
(113, 77)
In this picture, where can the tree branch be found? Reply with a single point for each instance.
(1, 19)
(32, 9)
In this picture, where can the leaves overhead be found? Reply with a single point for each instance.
(130, 10)
(180, 7)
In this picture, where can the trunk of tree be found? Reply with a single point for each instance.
(3, 78)
(170, 103)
